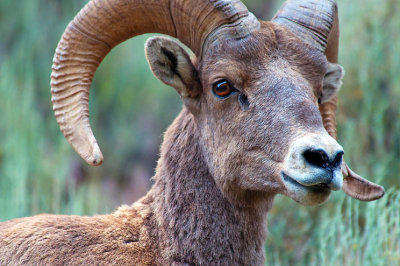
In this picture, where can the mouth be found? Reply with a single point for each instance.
(318, 188)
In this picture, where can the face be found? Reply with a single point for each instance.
(260, 125)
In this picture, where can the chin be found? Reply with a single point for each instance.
(311, 198)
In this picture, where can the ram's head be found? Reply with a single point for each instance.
(262, 94)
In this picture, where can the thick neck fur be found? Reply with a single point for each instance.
(197, 224)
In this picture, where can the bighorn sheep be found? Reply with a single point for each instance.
(258, 104)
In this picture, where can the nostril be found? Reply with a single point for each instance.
(317, 157)
(337, 161)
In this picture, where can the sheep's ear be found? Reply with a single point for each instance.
(170, 63)
(359, 188)
(332, 81)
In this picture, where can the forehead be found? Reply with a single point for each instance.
(271, 44)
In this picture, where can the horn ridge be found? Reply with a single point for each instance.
(214, 15)
(310, 20)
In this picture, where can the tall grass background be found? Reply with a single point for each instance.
(130, 109)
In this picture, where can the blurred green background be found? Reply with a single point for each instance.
(130, 109)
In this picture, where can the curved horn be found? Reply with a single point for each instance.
(103, 24)
(316, 23)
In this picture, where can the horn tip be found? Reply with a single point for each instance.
(96, 158)
(90, 153)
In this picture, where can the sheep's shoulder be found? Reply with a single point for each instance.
(121, 237)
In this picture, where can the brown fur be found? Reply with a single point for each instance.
(122, 238)
(217, 176)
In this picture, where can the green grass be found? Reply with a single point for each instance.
(130, 109)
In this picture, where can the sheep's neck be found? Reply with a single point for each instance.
(197, 224)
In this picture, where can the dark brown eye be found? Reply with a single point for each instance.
(223, 89)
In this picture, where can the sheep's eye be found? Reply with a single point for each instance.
(223, 89)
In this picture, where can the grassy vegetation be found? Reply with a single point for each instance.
(130, 109)
(342, 232)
